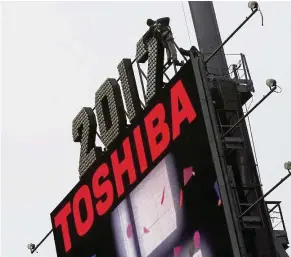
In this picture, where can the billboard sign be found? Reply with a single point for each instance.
(153, 191)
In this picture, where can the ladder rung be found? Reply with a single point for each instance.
(229, 126)
(249, 186)
(245, 204)
(232, 140)
(252, 222)
(227, 110)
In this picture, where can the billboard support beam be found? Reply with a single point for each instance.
(242, 160)
(235, 233)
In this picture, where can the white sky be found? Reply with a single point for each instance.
(56, 55)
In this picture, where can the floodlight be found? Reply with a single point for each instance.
(253, 5)
(287, 166)
(31, 247)
(271, 83)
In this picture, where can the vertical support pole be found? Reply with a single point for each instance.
(208, 36)
(235, 233)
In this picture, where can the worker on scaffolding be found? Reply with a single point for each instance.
(162, 30)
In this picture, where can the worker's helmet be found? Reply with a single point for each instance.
(150, 22)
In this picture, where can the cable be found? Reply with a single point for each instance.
(186, 23)
(253, 144)
(262, 17)
(277, 224)
(278, 92)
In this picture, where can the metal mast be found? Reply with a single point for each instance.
(250, 231)
(208, 35)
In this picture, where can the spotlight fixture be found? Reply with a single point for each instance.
(253, 5)
(271, 83)
(31, 247)
(287, 166)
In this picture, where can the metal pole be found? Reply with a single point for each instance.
(38, 245)
(265, 195)
(248, 113)
(207, 34)
(230, 36)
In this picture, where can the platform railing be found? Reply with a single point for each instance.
(278, 223)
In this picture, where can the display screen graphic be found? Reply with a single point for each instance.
(156, 194)
(157, 217)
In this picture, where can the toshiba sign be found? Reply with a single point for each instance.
(153, 190)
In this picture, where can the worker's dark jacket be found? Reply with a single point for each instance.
(161, 27)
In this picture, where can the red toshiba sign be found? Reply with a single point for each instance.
(123, 168)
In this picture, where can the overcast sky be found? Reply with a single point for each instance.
(55, 56)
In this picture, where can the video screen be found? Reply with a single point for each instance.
(175, 211)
